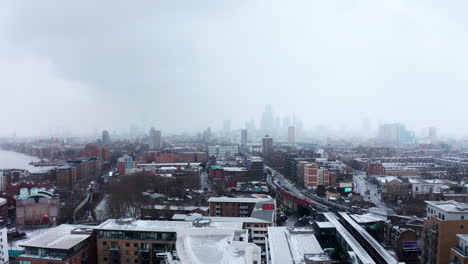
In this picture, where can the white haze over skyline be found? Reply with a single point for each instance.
(186, 65)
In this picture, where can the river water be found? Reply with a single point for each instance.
(14, 160)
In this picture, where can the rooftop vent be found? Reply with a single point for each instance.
(300, 230)
(200, 222)
(124, 221)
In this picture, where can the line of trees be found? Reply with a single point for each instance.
(126, 197)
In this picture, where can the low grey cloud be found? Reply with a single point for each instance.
(185, 65)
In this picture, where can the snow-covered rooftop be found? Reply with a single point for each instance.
(215, 219)
(449, 206)
(287, 246)
(57, 238)
(367, 218)
(225, 199)
(176, 207)
(234, 169)
(200, 246)
(159, 226)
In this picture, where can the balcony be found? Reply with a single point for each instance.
(114, 248)
(460, 252)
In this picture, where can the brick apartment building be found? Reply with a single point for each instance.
(65, 244)
(66, 177)
(459, 254)
(445, 220)
(375, 168)
(397, 190)
(174, 157)
(231, 207)
(315, 176)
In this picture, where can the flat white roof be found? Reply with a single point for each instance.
(160, 226)
(367, 218)
(325, 225)
(215, 219)
(463, 237)
(450, 206)
(176, 207)
(170, 164)
(233, 169)
(237, 199)
(288, 247)
(196, 246)
(57, 238)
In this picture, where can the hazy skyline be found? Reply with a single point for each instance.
(186, 65)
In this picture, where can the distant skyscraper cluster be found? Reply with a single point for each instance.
(395, 134)
(289, 128)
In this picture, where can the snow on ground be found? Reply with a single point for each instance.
(101, 210)
(291, 221)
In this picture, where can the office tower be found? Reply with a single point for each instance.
(106, 140)
(291, 135)
(244, 137)
(227, 126)
(395, 134)
(267, 145)
(268, 121)
(155, 141)
(432, 134)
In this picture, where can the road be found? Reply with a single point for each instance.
(374, 196)
(204, 182)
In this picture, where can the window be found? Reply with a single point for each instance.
(462, 217)
(136, 253)
(135, 244)
(461, 227)
(443, 217)
(136, 260)
(24, 262)
(127, 253)
(127, 244)
(105, 259)
(104, 243)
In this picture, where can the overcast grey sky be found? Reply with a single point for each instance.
(186, 65)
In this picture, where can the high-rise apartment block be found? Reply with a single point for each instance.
(244, 137)
(267, 145)
(106, 140)
(155, 140)
(291, 135)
